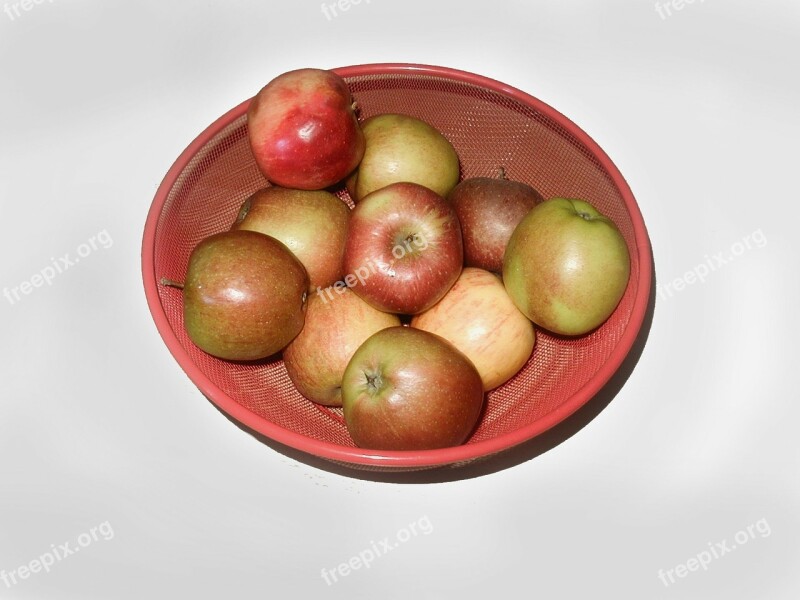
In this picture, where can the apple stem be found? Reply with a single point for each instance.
(243, 210)
(171, 283)
(502, 172)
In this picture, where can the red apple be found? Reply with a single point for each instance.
(337, 323)
(244, 296)
(478, 317)
(303, 131)
(407, 389)
(566, 266)
(489, 209)
(403, 249)
(311, 223)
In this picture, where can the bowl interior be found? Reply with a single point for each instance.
(489, 128)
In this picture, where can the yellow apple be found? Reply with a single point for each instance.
(478, 317)
(337, 322)
(403, 148)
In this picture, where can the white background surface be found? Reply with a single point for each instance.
(99, 424)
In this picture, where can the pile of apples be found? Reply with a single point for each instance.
(406, 309)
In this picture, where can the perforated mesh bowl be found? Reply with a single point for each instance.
(491, 125)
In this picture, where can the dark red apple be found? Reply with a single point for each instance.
(489, 209)
(403, 249)
(303, 131)
(244, 295)
(408, 389)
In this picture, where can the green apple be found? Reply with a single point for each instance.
(566, 266)
(311, 223)
(403, 148)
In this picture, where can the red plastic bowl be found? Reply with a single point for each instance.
(491, 125)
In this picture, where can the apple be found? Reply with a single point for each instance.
(403, 249)
(478, 317)
(244, 295)
(403, 148)
(336, 325)
(303, 130)
(311, 223)
(566, 266)
(408, 389)
(489, 209)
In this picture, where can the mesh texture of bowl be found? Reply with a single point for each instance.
(491, 125)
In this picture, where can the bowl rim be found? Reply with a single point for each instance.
(356, 456)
